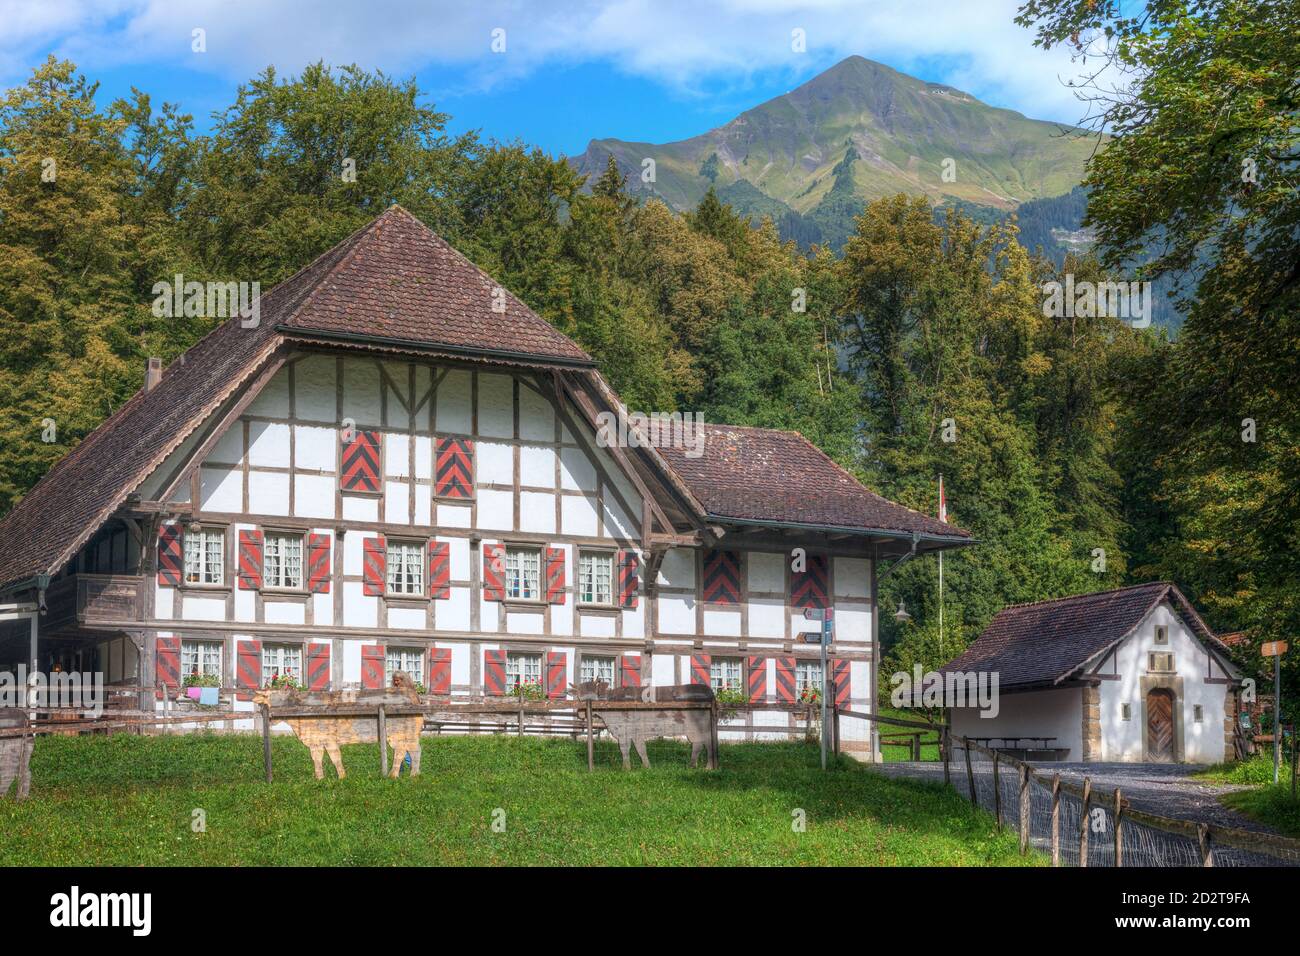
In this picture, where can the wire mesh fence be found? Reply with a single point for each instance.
(1081, 826)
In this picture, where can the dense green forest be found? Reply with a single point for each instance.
(1082, 453)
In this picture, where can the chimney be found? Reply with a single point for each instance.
(152, 373)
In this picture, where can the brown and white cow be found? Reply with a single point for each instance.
(325, 735)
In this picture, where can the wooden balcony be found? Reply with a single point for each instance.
(93, 602)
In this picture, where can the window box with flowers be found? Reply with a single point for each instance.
(730, 700)
(528, 690)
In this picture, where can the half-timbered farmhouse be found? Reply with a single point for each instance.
(399, 466)
(1127, 675)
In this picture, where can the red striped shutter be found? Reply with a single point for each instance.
(318, 667)
(628, 564)
(171, 560)
(318, 563)
(494, 572)
(439, 569)
(722, 577)
(701, 669)
(631, 670)
(250, 560)
(842, 675)
(362, 464)
(785, 680)
(372, 666)
(757, 679)
(454, 468)
(810, 588)
(248, 665)
(494, 673)
(374, 570)
(557, 664)
(440, 671)
(167, 656)
(554, 575)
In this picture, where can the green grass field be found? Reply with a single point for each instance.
(1271, 805)
(125, 800)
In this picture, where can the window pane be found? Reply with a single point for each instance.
(597, 668)
(596, 578)
(201, 657)
(523, 669)
(283, 561)
(405, 568)
(409, 659)
(724, 674)
(523, 573)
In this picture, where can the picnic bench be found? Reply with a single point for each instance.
(1037, 748)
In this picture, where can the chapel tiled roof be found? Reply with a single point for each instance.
(1044, 643)
(762, 474)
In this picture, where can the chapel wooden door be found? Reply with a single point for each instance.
(1160, 726)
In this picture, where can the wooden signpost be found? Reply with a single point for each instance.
(1275, 650)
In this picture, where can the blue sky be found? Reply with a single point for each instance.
(655, 70)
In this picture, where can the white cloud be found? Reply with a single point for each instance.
(685, 45)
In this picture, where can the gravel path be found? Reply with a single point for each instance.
(1166, 789)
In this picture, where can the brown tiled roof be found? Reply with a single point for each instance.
(403, 284)
(391, 279)
(1042, 644)
(395, 284)
(761, 474)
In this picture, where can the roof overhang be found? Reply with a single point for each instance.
(421, 348)
(925, 543)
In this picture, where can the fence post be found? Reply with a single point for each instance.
(1119, 839)
(383, 742)
(916, 746)
(591, 757)
(1024, 809)
(945, 744)
(997, 792)
(1295, 757)
(1056, 819)
(1203, 840)
(1083, 822)
(970, 774)
(520, 731)
(266, 739)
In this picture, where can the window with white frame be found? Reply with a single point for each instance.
(409, 659)
(523, 573)
(202, 658)
(597, 668)
(807, 676)
(596, 577)
(282, 660)
(405, 568)
(282, 560)
(724, 673)
(205, 557)
(523, 669)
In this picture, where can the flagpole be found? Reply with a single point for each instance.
(942, 517)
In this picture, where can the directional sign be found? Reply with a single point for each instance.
(1269, 649)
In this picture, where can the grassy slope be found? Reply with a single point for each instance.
(1271, 805)
(127, 800)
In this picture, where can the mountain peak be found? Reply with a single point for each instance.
(855, 132)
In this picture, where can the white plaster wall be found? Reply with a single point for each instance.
(1048, 713)
(1125, 740)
